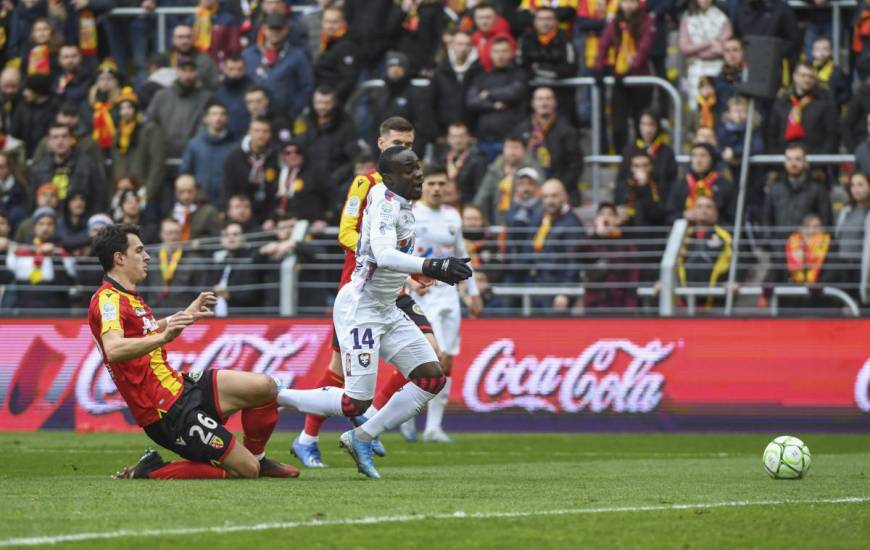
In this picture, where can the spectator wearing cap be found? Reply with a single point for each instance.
(70, 170)
(45, 197)
(401, 97)
(297, 33)
(101, 102)
(552, 140)
(89, 274)
(198, 219)
(10, 94)
(463, 161)
(70, 115)
(498, 98)
(178, 109)
(41, 261)
(183, 49)
(139, 150)
(806, 113)
(328, 137)
(303, 189)
(419, 34)
(252, 169)
(73, 80)
(547, 53)
(14, 194)
(701, 180)
(794, 195)
(854, 124)
(231, 94)
(336, 62)
(489, 25)
(496, 191)
(452, 77)
(556, 229)
(280, 67)
(610, 277)
(205, 154)
(33, 116)
(518, 227)
(372, 24)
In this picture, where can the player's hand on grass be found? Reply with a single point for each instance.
(448, 270)
(201, 307)
(176, 323)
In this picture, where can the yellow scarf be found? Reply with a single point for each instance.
(627, 49)
(35, 276)
(705, 108)
(39, 60)
(167, 265)
(125, 133)
(543, 231)
(805, 258)
(60, 179)
(824, 72)
(505, 190)
(202, 27)
(104, 126)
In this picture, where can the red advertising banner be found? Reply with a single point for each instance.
(51, 374)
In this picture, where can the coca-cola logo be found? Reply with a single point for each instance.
(498, 379)
(862, 387)
(284, 357)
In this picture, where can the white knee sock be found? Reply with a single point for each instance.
(404, 404)
(322, 402)
(371, 411)
(436, 408)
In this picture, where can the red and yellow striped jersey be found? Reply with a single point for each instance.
(148, 384)
(351, 219)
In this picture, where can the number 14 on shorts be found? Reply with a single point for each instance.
(367, 339)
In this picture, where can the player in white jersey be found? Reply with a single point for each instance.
(439, 235)
(368, 324)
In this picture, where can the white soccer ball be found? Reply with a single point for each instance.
(786, 457)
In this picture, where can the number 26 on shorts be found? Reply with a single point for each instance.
(367, 339)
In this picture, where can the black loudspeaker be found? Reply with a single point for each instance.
(763, 55)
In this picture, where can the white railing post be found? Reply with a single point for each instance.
(289, 274)
(669, 267)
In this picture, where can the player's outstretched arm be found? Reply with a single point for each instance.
(119, 348)
(200, 308)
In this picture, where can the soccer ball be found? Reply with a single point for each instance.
(786, 457)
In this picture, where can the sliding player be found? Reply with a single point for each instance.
(180, 412)
(368, 322)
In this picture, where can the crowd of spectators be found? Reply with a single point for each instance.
(245, 125)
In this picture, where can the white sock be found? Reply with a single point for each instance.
(409, 425)
(306, 439)
(436, 408)
(371, 411)
(405, 403)
(322, 402)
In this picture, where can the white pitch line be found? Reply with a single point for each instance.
(374, 520)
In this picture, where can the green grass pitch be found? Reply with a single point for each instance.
(484, 491)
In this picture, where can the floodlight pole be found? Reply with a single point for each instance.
(738, 215)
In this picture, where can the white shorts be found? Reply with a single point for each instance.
(368, 330)
(441, 306)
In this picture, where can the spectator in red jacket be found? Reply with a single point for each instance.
(631, 34)
(489, 25)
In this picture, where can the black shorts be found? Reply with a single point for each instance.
(411, 308)
(193, 427)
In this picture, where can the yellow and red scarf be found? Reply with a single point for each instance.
(540, 129)
(39, 60)
(596, 9)
(627, 52)
(631, 200)
(168, 266)
(35, 276)
(505, 193)
(805, 258)
(861, 31)
(699, 188)
(545, 39)
(325, 39)
(653, 148)
(543, 231)
(104, 126)
(202, 27)
(794, 128)
(87, 33)
(706, 111)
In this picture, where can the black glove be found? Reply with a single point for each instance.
(447, 270)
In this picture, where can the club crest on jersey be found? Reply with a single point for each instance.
(365, 359)
(216, 442)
